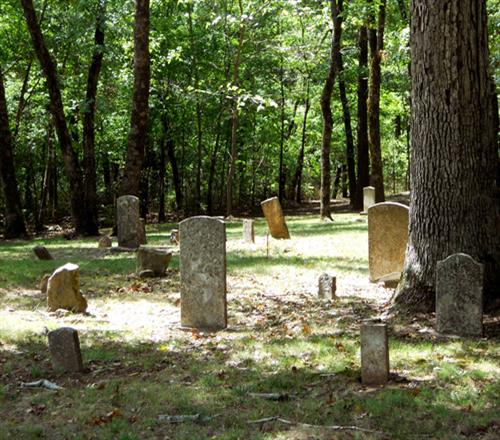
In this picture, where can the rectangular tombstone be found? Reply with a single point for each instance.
(248, 231)
(368, 197)
(152, 259)
(203, 273)
(327, 286)
(64, 347)
(459, 296)
(128, 222)
(387, 239)
(374, 354)
(275, 218)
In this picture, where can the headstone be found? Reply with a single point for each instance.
(275, 218)
(174, 236)
(129, 226)
(459, 296)
(327, 286)
(374, 354)
(44, 282)
(42, 253)
(142, 232)
(63, 290)
(248, 231)
(387, 239)
(105, 242)
(203, 273)
(150, 259)
(64, 347)
(368, 198)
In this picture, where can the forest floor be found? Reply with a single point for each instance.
(287, 366)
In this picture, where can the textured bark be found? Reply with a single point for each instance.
(326, 110)
(454, 149)
(14, 219)
(138, 135)
(173, 163)
(161, 180)
(376, 40)
(297, 178)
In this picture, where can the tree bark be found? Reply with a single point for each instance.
(138, 135)
(376, 40)
(454, 149)
(297, 178)
(173, 163)
(15, 226)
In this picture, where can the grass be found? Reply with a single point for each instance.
(280, 339)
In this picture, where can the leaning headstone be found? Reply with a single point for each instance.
(368, 198)
(64, 347)
(374, 354)
(459, 296)
(105, 242)
(155, 260)
(203, 273)
(387, 239)
(248, 231)
(63, 290)
(128, 222)
(275, 218)
(42, 253)
(327, 286)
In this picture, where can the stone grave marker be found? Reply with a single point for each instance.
(248, 231)
(129, 225)
(275, 218)
(174, 236)
(63, 290)
(327, 286)
(151, 259)
(42, 253)
(203, 273)
(374, 354)
(105, 242)
(142, 232)
(64, 347)
(368, 198)
(459, 296)
(387, 239)
(44, 281)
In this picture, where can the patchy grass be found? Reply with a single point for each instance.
(280, 339)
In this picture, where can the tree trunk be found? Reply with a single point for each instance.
(138, 135)
(56, 106)
(173, 163)
(14, 218)
(161, 180)
(376, 40)
(454, 149)
(326, 110)
(297, 179)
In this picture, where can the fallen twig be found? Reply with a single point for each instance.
(42, 383)
(279, 397)
(162, 418)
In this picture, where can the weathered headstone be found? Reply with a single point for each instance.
(105, 242)
(64, 347)
(42, 253)
(63, 289)
(44, 281)
(327, 286)
(248, 231)
(387, 239)
(275, 218)
(128, 222)
(203, 273)
(150, 259)
(174, 236)
(142, 232)
(459, 296)
(368, 198)
(374, 354)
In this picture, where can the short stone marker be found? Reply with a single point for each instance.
(174, 236)
(203, 273)
(63, 290)
(42, 253)
(105, 242)
(374, 354)
(248, 231)
(459, 296)
(387, 239)
(128, 222)
(368, 198)
(64, 347)
(327, 286)
(151, 259)
(275, 218)
(44, 281)
(142, 232)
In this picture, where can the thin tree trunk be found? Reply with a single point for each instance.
(161, 180)
(173, 163)
(47, 177)
(297, 179)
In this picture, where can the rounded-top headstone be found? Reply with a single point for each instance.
(63, 289)
(128, 222)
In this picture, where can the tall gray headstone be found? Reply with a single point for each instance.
(248, 231)
(128, 222)
(387, 239)
(368, 197)
(203, 273)
(459, 296)
(64, 347)
(374, 354)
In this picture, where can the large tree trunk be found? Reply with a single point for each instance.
(376, 39)
(138, 135)
(56, 106)
(14, 219)
(326, 110)
(454, 149)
